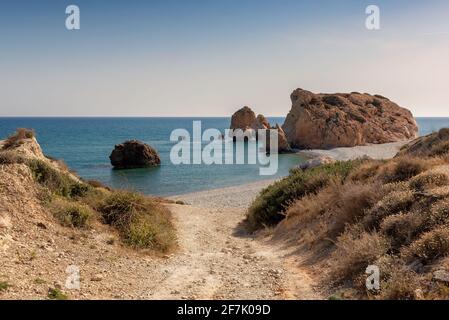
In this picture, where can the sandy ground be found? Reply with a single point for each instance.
(239, 196)
(375, 151)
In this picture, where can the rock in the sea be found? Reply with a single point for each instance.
(134, 154)
(323, 121)
(317, 162)
(283, 145)
(243, 119)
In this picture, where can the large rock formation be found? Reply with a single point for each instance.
(243, 119)
(323, 121)
(134, 154)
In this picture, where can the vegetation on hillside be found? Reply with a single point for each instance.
(143, 222)
(393, 214)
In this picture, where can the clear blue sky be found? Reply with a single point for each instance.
(208, 58)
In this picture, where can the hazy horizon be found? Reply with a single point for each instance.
(207, 59)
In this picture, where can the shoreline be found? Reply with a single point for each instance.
(242, 195)
(374, 151)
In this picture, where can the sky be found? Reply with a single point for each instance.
(209, 58)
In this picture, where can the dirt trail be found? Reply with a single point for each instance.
(218, 260)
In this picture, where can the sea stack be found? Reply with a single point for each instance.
(134, 154)
(324, 121)
(243, 119)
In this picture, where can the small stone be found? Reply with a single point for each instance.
(441, 276)
(96, 278)
(41, 225)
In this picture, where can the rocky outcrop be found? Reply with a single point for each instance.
(246, 120)
(260, 123)
(324, 121)
(283, 144)
(434, 144)
(134, 154)
(243, 119)
(317, 162)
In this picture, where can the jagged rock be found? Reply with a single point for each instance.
(283, 144)
(134, 154)
(322, 121)
(260, 123)
(317, 162)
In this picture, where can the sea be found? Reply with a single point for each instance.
(86, 143)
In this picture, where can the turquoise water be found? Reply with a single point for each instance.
(85, 145)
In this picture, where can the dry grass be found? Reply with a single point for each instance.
(355, 250)
(402, 169)
(10, 157)
(269, 207)
(393, 203)
(393, 214)
(15, 139)
(430, 179)
(430, 246)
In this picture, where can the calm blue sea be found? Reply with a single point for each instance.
(85, 144)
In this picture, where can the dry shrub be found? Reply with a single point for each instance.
(392, 203)
(430, 246)
(142, 223)
(75, 215)
(433, 178)
(402, 228)
(402, 169)
(439, 213)
(355, 250)
(440, 149)
(366, 171)
(10, 157)
(15, 139)
(401, 285)
(269, 206)
(327, 213)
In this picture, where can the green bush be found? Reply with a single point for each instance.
(73, 215)
(267, 209)
(56, 294)
(142, 223)
(4, 286)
